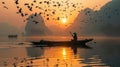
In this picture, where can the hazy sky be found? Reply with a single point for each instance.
(105, 22)
(9, 15)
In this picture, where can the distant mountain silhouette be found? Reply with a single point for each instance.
(111, 16)
(85, 24)
(36, 26)
(105, 22)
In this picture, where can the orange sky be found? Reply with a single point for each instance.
(10, 16)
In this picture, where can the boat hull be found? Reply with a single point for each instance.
(62, 43)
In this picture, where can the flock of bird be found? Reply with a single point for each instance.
(49, 8)
(46, 8)
(4, 5)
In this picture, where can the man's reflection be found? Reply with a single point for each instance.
(74, 50)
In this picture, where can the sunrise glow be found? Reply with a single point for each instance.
(64, 20)
(64, 53)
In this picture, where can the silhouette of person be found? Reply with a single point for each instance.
(74, 35)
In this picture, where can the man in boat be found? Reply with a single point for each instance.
(74, 35)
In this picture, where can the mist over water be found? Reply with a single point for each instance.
(104, 53)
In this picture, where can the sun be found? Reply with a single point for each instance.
(64, 20)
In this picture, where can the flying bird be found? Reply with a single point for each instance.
(3, 2)
(36, 22)
(16, 2)
(20, 10)
(5, 7)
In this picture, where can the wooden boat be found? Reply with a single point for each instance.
(62, 43)
(12, 36)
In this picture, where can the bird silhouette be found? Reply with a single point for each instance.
(36, 22)
(48, 9)
(3, 2)
(20, 10)
(5, 7)
(16, 2)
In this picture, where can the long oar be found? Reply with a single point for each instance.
(71, 33)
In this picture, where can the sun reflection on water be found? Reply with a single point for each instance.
(64, 53)
(59, 57)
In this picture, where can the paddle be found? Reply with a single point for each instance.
(71, 33)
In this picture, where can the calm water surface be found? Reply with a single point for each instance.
(20, 53)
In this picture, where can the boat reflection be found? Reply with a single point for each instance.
(62, 57)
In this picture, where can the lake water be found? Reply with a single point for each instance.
(20, 53)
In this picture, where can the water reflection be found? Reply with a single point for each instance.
(53, 57)
(61, 57)
(64, 53)
(104, 54)
(34, 52)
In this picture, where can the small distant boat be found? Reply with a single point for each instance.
(12, 36)
(62, 43)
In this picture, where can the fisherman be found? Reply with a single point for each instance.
(74, 35)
